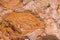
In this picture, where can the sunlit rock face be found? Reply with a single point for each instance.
(16, 25)
(11, 4)
(29, 19)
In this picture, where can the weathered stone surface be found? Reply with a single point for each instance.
(46, 10)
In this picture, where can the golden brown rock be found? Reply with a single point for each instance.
(19, 24)
(11, 4)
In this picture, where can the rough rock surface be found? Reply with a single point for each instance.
(46, 10)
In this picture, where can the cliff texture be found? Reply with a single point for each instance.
(29, 19)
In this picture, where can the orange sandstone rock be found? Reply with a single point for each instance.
(11, 4)
(19, 24)
(58, 10)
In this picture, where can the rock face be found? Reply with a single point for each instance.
(29, 19)
(11, 4)
(16, 25)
